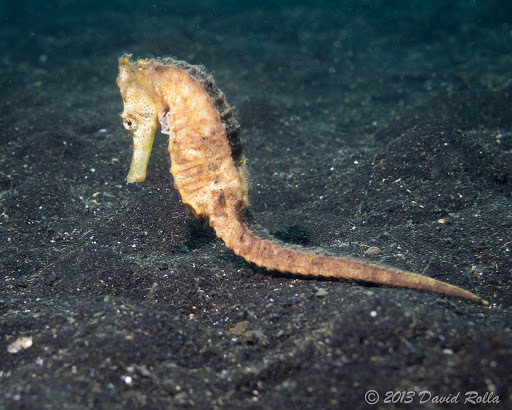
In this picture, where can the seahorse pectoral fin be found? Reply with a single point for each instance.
(142, 143)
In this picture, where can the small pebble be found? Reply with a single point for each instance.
(321, 293)
(372, 251)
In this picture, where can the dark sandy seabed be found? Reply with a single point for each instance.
(366, 124)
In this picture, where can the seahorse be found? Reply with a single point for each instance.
(209, 171)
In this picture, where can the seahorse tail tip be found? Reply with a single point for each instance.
(464, 294)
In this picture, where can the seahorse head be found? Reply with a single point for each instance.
(140, 113)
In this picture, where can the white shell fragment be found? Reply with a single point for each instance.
(19, 344)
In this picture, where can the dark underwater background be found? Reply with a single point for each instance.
(380, 130)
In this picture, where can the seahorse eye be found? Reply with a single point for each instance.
(129, 124)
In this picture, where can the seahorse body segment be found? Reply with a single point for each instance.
(209, 170)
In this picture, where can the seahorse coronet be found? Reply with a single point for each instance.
(209, 169)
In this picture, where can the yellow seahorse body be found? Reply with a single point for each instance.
(209, 171)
